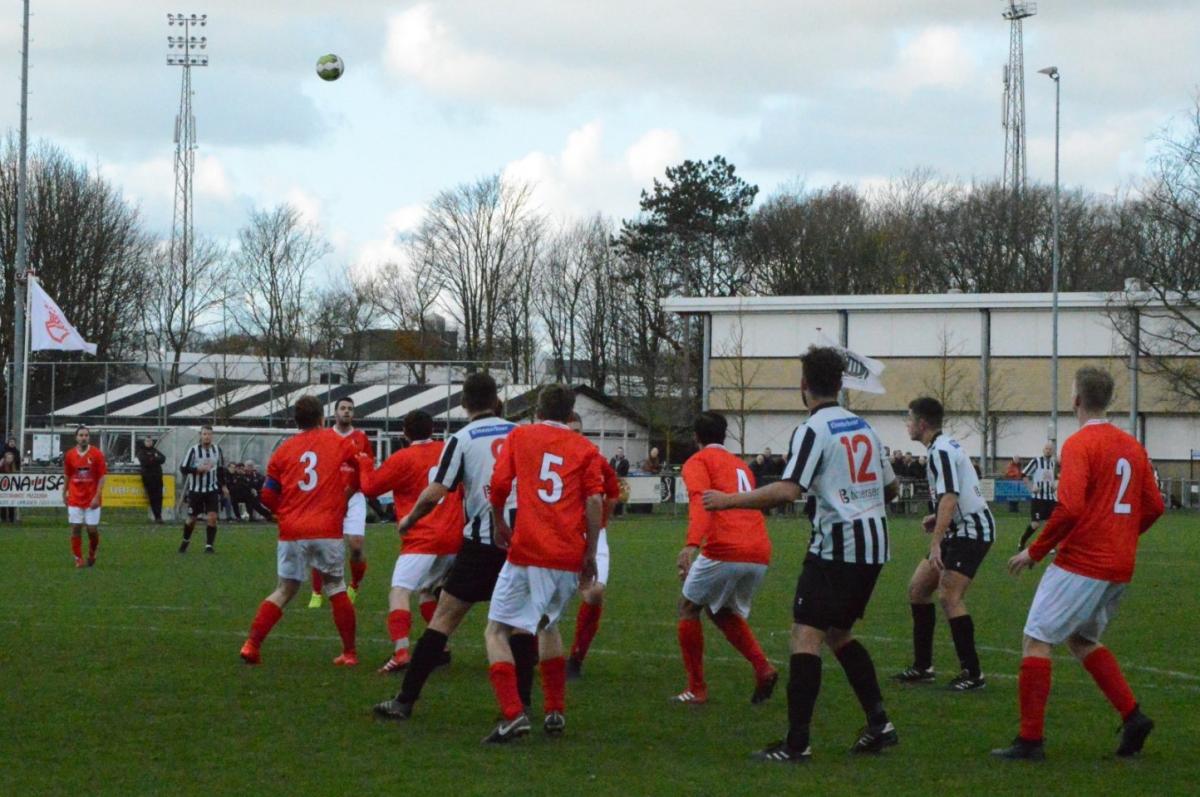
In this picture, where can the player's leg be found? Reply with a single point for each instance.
(318, 590)
(591, 607)
(330, 558)
(411, 573)
(210, 531)
(744, 582)
(76, 534)
(554, 679)
(93, 532)
(691, 647)
(511, 614)
(290, 567)
(1029, 532)
(354, 527)
(921, 588)
(860, 673)
(189, 522)
(962, 559)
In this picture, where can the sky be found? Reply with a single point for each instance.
(588, 101)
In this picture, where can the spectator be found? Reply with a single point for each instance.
(11, 445)
(619, 463)
(254, 484)
(653, 464)
(8, 464)
(1014, 469)
(151, 460)
(772, 465)
(758, 466)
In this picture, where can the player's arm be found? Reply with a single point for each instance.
(68, 472)
(891, 486)
(1027, 475)
(612, 487)
(1151, 504)
(269, 496)
(188, 466)
(222, 483)
(500, 487)
(1072, 502)
(593, 488)
(700, 520)
(103, 469)
(375, 481)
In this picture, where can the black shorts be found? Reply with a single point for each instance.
(963, 555)
(1040, 508)
(833, 594)
(202, 503)
(473, 575)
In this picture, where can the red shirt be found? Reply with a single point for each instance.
(732, 535)
(612, 486)
(350, 472)
(1107, 497)
(305, 487)
(556, 471)
(406, 473)
(84, 472)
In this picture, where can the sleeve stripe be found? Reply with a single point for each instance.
(271, 484)
(796, 466)
(447, 458)
(1029, 468)
(947, 472)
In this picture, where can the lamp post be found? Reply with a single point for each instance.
(1052, 73)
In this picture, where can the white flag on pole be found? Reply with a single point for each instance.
(48, 327)
(862, 372)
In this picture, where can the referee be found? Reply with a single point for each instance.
(203, 468)
(1039, 478)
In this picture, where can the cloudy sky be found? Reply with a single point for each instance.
(589, 100)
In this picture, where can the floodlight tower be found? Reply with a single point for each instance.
(1014, 97)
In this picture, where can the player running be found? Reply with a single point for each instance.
(467, 459)
(1039, 478)
(84, 469)
(963, 530)
(1107, 498)
(204, 470)
(306, 490)
(552, 550)
(428, 548)
(591, 596)
(354, 527)
(734, 551)
(836, 457)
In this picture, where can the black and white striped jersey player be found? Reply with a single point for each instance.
(1040, 477)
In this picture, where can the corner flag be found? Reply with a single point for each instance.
(48, 327)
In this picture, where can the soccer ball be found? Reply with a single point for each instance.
(330, 67)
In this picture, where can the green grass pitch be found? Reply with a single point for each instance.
(125, 679)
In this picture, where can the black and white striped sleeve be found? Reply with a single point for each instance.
(1029, 468)
(188, 466)
(803, 456)
(450, 466)
(945, 479)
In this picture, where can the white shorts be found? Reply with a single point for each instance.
(524, 596)
(80, 516)
(723, 585)
(355, 522)
(420, 571)
(1067, 603)
(297, 558)
(602, 558)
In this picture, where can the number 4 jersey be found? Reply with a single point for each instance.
(306, 487)
(836, 457)
(556, 470)
(734, 535)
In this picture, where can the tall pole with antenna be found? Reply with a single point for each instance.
(1014, 97)
(16, 378)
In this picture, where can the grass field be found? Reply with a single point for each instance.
(125, 679)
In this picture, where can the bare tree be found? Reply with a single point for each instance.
(597, 307)
(742, 375)
(182, 294)
(561, 285)
(405, 294)
(950, 383)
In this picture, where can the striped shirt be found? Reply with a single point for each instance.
(1040, 471)
(468, 459)
(836, 457)
(949, 470)
(209, 481)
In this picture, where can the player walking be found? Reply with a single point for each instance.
(560, 505)
(734, 551)
(84, 469)
(467, 459)
(836, 457)
(306, 490)
(428, 548)
(1039, 478)
(204, 470)
(1108, 497)
(355, 524)
(963, 530)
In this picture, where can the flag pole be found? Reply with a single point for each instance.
(31, 281)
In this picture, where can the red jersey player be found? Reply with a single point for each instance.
(1107, 498)
(306, 489)
(591, 603)
(429, 546)
(84, 468)
(734, 551)
(552, 548)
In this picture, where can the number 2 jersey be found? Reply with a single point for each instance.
(306, 487)
(733, 535)
(835, 456)
(1107, 497)
(949, 470)
(468, 459)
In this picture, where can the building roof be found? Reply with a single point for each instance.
(890, 302)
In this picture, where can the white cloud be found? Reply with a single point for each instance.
(305, 203)
(651, 154)
(212, 180)
(389, 248)
(937, 57)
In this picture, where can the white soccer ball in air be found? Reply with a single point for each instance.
(330, 67)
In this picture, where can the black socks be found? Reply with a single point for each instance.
(525, 658)
(804, 684)
(924, 620)
(860, 672)
(963, 631)
(425, 659)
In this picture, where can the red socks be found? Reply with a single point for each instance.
(1033, 689)
(504, 683)
(266, 618)
(343, 618)
(737, 631)
(399, 622)
(554, 684)
(1102, 665)
(318, 583)
(587, 623)
(77, 546)
(427, 609)
(357, 571)
(691, 644)
(93, 543)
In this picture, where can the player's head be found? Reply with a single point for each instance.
(1048, 450)
(418, 425)
(82, 436)
(343, 410)
(1093, 390)
(925, 417)
(574, 422)
(710, 428)
(308, 412)
(249, 464)
(555, 402)
(479, 393)
(620, 451)
(823, 367)
(206, 435)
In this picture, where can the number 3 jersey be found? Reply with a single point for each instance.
(949, 470)
(305, 486)
(732, 535)
(556, 470)
(835, 456)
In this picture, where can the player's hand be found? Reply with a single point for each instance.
(928, 522)
(683, 562)
(95, 502)
(404, 525)
(715, 500)
(65, 498)
(1022, 561)
(588, 574)
(935, 556)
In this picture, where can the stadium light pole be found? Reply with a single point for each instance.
(1052, 73)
